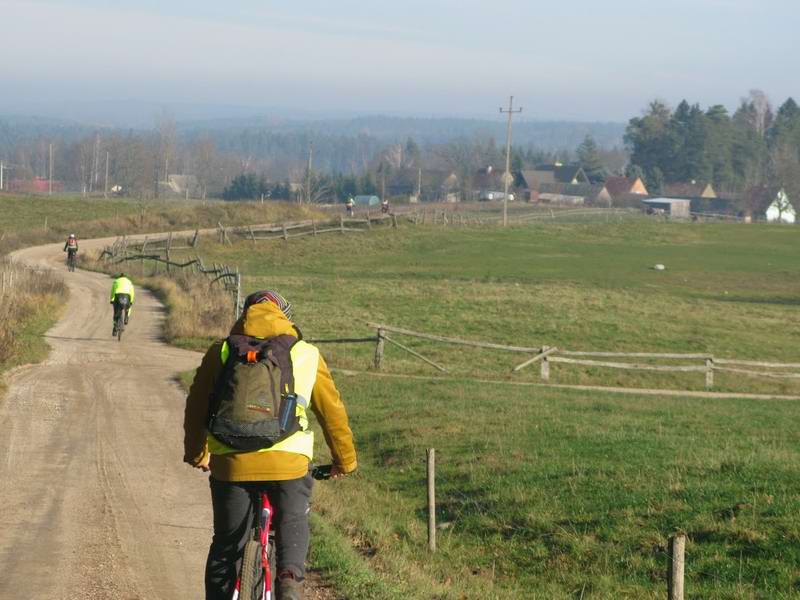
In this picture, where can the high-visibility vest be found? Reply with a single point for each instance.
(122, 285)
(305, 359)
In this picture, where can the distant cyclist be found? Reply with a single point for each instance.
(350, 204)
(71, 247)
(385, 206)
(122, 298)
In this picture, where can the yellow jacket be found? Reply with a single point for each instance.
(264, 320)
(122, 285)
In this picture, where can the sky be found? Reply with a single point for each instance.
(578, 60)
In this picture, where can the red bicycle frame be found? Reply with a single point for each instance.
(264, 524)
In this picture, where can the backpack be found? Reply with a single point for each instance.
(253, 403)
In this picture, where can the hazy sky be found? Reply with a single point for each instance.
(582, 59)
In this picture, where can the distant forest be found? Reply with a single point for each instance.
(754, 149)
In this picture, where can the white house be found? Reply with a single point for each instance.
(781, 210)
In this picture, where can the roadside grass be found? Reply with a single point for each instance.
(555, 493)
(30, 303)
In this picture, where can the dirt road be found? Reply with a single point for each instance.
(94, 499)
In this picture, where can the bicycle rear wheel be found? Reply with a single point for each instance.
(251, 581)
(120, 324)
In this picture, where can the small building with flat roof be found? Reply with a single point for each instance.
(677, 208)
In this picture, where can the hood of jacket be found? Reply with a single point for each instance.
(264, 320)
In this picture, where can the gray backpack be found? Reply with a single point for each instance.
(253, 403)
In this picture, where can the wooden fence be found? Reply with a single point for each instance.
(157, 251)
(285, 231)
(701, 363)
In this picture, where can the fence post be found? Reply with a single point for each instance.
(677, 550)
(709, 372)
(432, 499)
(369, 221)
(379, 349)
(236, 308)
(394, 221)
(341, 223)
(285, 235)
(544, 366)
(169, 246)
(314, 226)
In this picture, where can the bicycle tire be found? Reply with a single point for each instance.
(250, 575)
(120, 325)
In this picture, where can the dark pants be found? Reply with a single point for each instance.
(233, 518)
(122, 302)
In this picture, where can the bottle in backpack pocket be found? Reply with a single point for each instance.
(287, 412)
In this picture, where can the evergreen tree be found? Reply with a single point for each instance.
(590, 160)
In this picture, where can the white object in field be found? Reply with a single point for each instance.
(659, 267)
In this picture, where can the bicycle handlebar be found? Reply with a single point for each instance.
(321, 472)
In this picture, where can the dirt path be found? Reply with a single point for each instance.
(94, 499)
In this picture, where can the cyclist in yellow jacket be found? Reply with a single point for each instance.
(282, 471)
(122, 296)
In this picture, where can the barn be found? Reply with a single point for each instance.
(677, 208)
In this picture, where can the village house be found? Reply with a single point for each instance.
(490, 183)
(689, 190)
(574, 193)
(623, 186)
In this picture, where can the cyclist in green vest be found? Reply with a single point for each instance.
(282, 470)
(122, 296)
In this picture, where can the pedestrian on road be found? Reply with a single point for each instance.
(282, 470)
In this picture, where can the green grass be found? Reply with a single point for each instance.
(22, 213)
(556, 493)
(30, 220)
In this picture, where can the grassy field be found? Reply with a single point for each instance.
(28, 220)
(555, 493)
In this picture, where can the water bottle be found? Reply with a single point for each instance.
(287, 412)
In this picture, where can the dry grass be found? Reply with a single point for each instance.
(196, 308)
(28, 298)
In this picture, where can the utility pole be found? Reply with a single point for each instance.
(95, 163)
(308, 172)
(50, 185)
(507, 174)
(105, 186)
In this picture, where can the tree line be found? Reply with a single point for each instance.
(754, 149)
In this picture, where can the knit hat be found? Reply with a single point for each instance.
(269, 296)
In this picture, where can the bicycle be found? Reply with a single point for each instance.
(122, 309)
(71, 261)
(256, 577)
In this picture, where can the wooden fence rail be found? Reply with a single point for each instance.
(121, 251)
(547, 355)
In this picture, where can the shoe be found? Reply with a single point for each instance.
(114, 332)
(289, 588)
(126, 320)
